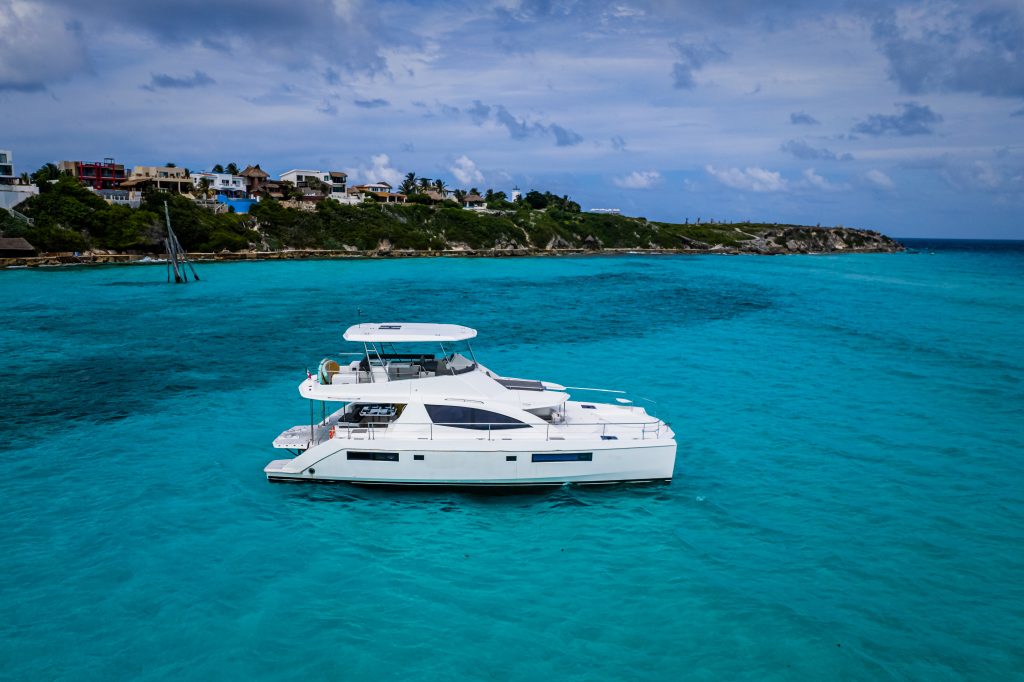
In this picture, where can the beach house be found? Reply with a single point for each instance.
(105, 174)
(162, 178)
(381, 191)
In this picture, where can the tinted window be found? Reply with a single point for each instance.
(377, 456)
(564, 457)
(471, 418)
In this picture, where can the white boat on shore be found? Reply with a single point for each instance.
(412, 416)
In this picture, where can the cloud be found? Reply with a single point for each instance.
(692, 58)
(974, 47)
(638, 180)
(331, 76)
(815, 181)
(879, 179)
(371, 103)
(618, 143)
(565, 137)
(801, 150)
(379, 170)
(466, 172)
(802, 118)
(519, 128)
(913, 119)
(327, 107)
(159, 81)
(1018, 113)
(479, 112)
(1005, 176)
(752, 179)
(39, 46)
(304, 35)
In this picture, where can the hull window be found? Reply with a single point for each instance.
(564, 457)
(374, 456)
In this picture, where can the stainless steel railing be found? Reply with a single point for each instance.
(644, 430)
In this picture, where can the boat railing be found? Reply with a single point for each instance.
(621, 398)
(641, 430)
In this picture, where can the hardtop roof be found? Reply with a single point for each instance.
(407, 332)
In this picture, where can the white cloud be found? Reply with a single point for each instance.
(879, 179)
(380, 170)
(466, 172)
(638, 180)
(751, 179)
(815, 181)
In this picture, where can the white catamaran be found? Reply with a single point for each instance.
(410, 417)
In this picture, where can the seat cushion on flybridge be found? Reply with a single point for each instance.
(521, 384)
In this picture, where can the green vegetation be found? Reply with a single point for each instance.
(69, 217)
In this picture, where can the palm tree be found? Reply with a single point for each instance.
(474, 190)
(408, 185)
(217, 169)
(440, 186)
(25, 179)
(460, 194)
(490, 194)
(204, 187)
(170, 164)
(232, 168)
(45, 173)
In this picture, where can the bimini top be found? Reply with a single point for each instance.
(407, 332)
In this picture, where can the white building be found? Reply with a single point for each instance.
(517, 193)
(335, 181)
(6, 167)
(12, 192)
(221, 183)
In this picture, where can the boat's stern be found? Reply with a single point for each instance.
(281, 470)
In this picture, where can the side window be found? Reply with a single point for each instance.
(373, 456)
(471, 418)
(564, 457)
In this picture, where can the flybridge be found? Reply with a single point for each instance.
(407, 332)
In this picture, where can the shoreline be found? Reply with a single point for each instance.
(93, 258)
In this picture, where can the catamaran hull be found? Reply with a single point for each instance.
(485, 468)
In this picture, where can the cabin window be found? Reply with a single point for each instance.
(563, 457)
(471, 418)
(374, 456)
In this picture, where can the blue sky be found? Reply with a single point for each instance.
(902, 117)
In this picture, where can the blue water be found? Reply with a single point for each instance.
(848, 501)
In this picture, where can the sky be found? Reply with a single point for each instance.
(904, 117)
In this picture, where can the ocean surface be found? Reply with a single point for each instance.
(848, 500)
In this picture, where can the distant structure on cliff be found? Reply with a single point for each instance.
(606, 211)
(13, 190)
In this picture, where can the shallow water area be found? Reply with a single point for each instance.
(848, 499)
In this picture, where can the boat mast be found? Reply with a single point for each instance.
(172, 254)
(175, 253)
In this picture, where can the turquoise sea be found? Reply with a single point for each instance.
(848, 501)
